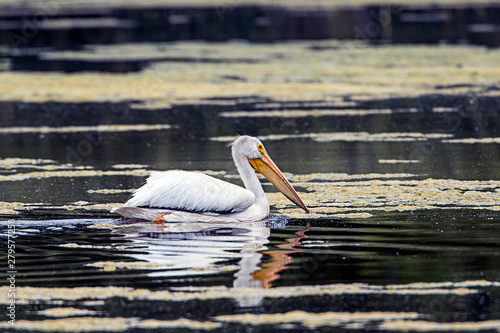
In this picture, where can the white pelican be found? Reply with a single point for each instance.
(180, 196)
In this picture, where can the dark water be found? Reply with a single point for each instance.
(422, 268)
(405, 230)
(382, 254)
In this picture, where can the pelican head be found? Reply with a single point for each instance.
(253, 151)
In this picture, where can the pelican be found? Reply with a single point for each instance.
(181, 196)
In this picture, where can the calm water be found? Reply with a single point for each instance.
(211, 271)
(417, 269)
(404, 191)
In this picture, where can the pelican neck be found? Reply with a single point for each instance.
(248, 175)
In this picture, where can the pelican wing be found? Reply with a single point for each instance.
(181, 190)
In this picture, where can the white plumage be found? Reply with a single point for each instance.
(191, 191)
(180, 196)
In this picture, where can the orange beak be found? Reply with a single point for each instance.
(269, 170)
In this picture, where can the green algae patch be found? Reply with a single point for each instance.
(11, 162)
(70, 319)
(329, 194)
(66, 312)
(349, 137)
(178, 323)
(394, 161)
(72, 173)
(328, 71)
(41, 164)
(314, 320)
(5, 211)
(76, 324)
(474, 140)
(429, 326)
(99, 324)
(129, 166)
(114, 265)
(307, 113)
(103, 226)
(110, 191)
(75, 129)
(27, 294)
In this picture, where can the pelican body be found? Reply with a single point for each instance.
(181, 196)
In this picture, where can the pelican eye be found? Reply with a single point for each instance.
(261, 149)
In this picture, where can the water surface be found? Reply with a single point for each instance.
(404, 192)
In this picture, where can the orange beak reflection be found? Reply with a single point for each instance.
(269, 170)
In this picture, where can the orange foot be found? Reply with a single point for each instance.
(159, 219)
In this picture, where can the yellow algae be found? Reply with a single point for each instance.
(74, 245)
(72, 129)
(304, 113)
(102, 226)
(77, 324)
(92, 303)
(4, 211)
(73, 173)
(428, 326)
(333, 176)
(474, 140)
(88, 246)
(439, 109)
(434, 285)
(353, 215)
(114, 265)
(86, 173)
(101, 324)
(130, 166)
(105, 206)
(65, 312)
(110, 191)
(348, 137)
(177, 323)
(265, 71)
(10, 162)
(395, 161)
(313, 320)
(11, 205)
(30, 294)
(362, 136)
(81, 203)
(329, 194)
(42, 164)
(90, 207)
(476, 283)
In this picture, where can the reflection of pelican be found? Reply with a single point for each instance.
(187, 251)
(186, 196)
(194, 249)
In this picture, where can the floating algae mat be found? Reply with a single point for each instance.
(191, 72)
(392, 243)
(394, 149)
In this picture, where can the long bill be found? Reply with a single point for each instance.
(269, 170)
